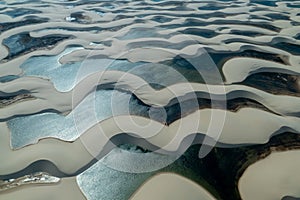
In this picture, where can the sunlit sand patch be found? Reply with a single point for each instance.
(81, 37)
(277, 174)
(170, 186)
(92, 143)
(46, 96)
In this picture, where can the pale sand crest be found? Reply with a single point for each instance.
(273, 177)
(238, 69)
(48, 98)
(236, 130)
(223, 41)
(53, 150)
(161, 186)
(171, 186)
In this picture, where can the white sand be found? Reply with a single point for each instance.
(272, 178)
(171, 186)
(53, 150)
(47, 97)
(220, 42)
(238, 69)
(247, 126)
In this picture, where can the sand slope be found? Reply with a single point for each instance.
(170, 186)
(277, 174)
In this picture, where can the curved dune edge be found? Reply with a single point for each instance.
(54, 150)
(171, 186)
(136, 49)
(93, 143)
(116, 51)
(277, 174)
(67, 188)
(48, 98)
(234, 73)
(224, 40)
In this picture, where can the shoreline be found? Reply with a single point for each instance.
(240, 158)
(63, 102)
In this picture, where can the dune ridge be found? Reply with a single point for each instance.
(47, 97)
(93, 142)
(278, 171)
(175, 187)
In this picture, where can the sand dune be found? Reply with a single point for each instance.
(53, 150)
(220, 42)
(47, 97)
(235, 74)
(277, 174)
(216, 124)
(170, 186)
